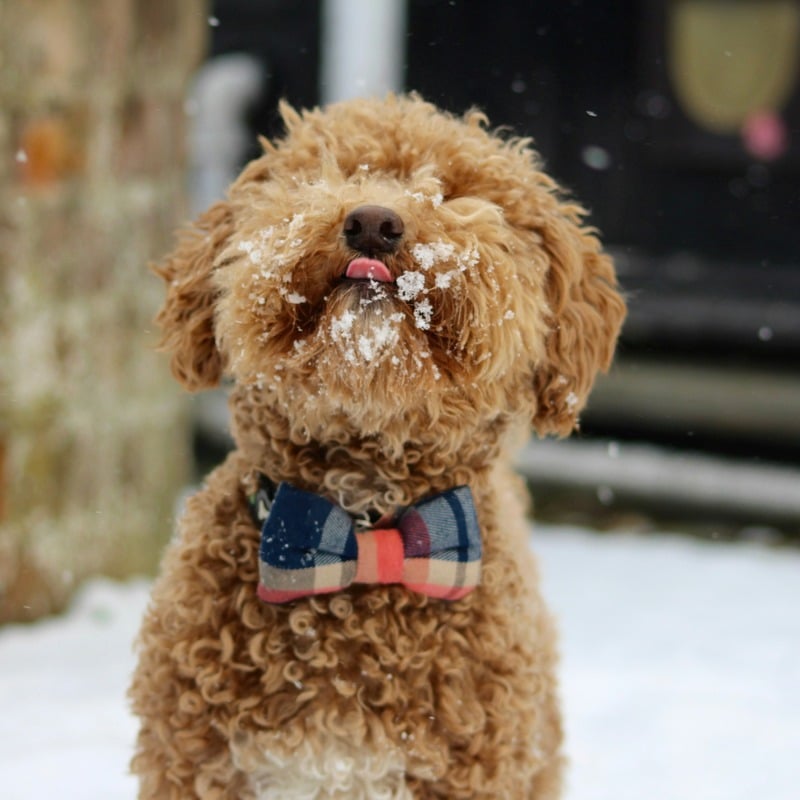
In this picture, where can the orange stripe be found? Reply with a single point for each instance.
(380, 556)
(390, 555)
(367, 568)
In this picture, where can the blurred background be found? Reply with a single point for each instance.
(675, 122)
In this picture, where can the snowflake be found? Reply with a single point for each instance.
(409, 285)
(423, 311)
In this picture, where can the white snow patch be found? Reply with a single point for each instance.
(377, 294)
(434, 199)
(572, 400)
(444, 279)
(341, 326)
(369, 346)
(295, 298)
(469, 258)
(379, 339)
(679, 665)
(426, 255)
(423, 311)
(409, 285)
(255, 249)
(465, 260)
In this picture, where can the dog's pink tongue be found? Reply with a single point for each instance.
(368, 268)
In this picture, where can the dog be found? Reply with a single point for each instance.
(396, 294)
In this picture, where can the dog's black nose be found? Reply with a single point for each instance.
(373, 229)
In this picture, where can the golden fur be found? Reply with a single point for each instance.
(375, 398)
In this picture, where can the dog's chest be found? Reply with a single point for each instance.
(322, 767)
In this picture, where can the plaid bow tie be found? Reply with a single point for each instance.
(311, 546)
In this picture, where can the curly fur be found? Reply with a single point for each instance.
(503, 311)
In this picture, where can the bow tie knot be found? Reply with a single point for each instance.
(311, 546)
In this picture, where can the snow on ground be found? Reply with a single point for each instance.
(681, 675)
(681, 666)
(64, 727)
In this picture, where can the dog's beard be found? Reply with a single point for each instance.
(367, 350)
(320, 343)
(364, 357)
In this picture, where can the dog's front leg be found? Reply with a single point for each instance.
(179, 754)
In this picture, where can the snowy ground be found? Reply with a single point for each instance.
(681, 676)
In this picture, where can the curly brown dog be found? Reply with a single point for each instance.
(396, 293)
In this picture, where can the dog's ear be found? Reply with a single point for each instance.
(187, 317)
(585, 310)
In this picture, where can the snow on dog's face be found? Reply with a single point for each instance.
(384, 257)
(367, 287)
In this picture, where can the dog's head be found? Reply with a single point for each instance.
(385, 257)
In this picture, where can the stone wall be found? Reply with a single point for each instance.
(93, 431)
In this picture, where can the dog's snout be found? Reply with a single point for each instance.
(373, 229)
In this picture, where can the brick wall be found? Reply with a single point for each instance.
(93, 433)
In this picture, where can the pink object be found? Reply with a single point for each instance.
(765, 136)
(369, 268)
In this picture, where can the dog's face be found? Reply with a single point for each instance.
(385, 258)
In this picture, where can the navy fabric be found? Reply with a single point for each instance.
(304, 529)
